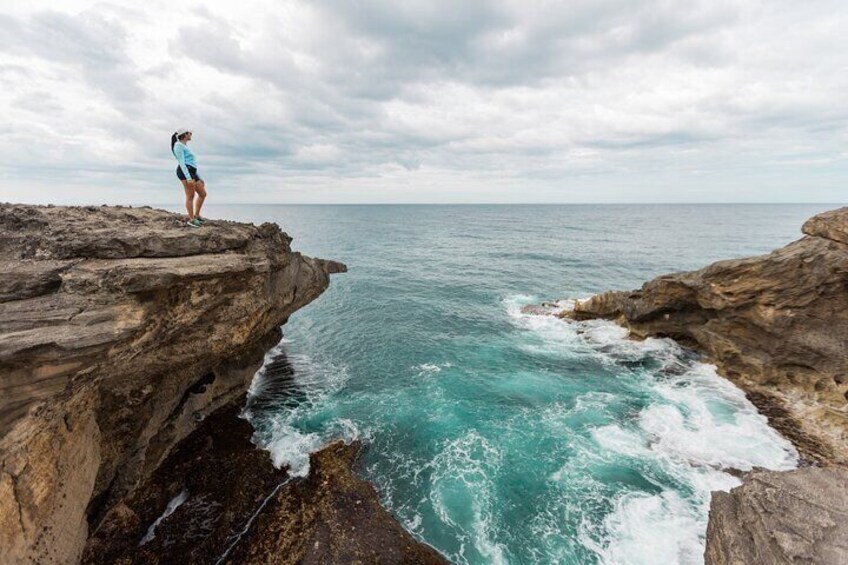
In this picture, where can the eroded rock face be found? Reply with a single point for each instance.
(780, 517)
(776, 325)
(120, 329)
(235, 507)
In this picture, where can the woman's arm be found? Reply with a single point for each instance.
(179, 152)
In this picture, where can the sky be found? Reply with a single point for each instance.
(391, 101)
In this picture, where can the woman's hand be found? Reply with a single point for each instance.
(189, 183)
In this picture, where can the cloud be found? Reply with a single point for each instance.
(385, 101)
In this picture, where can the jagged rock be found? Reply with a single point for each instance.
(776, 325)
(120, 328)
(331, 517)
(781, 518)
(237, 508)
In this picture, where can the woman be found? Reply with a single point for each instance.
(187, 173)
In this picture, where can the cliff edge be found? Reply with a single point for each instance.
(777, 327)
(120, 330)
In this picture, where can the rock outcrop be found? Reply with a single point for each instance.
(235, 507)
(781, 518)
(776, 325)
(120, 330)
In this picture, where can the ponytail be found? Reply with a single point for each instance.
(173, 142)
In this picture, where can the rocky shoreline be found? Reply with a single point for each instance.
(127, 342)
(776, 326)
(235, 507)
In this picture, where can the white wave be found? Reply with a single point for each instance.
(172, 505)
(650, 529)
(426, 369)
(602, 339)
(279, 432)
(705, 420)
(461, 493)
(291, 448)
(696, 426)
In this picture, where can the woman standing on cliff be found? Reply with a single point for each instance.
(195, 187)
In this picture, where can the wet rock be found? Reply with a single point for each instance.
(331, 517)
(238, 508)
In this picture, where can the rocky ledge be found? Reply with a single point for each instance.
(776, 326)
(225, 503)
(121, 332)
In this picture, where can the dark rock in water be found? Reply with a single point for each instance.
(120, 331)
(225, 478)
(330, 517)
(239, 509)
(781, 517)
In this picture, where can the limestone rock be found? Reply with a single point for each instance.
(776, 325)
(120, 328)
(781, 518)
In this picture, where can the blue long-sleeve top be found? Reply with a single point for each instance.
(184, 157)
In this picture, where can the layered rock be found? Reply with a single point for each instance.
(781, 518)
(776, 325)
(120, 330)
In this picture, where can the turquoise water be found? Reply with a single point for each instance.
(499, 437)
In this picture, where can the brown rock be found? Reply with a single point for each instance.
(781, 517)
(331, 517)
(776, 325)
(831, 225)
(237, 508)
(119, 328)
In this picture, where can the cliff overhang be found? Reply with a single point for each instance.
(121, 329)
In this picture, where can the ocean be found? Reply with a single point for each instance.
(502, 437)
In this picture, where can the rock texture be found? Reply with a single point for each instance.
(776, 325)
(238, 509)
(781, 518)
(120, 329)
(331, 517)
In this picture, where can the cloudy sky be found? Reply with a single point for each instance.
(427, 100)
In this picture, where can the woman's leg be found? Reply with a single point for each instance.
(200, 189)
(189, 201)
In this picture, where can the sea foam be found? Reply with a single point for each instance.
(695, 428)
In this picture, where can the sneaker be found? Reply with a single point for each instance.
(201, 219)
(193, 223)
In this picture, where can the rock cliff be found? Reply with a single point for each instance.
(781, 518)
(120, 330)
(777, 326)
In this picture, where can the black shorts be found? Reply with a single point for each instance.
(191, 171)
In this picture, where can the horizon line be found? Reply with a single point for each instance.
(492, 204)
(665, 203)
